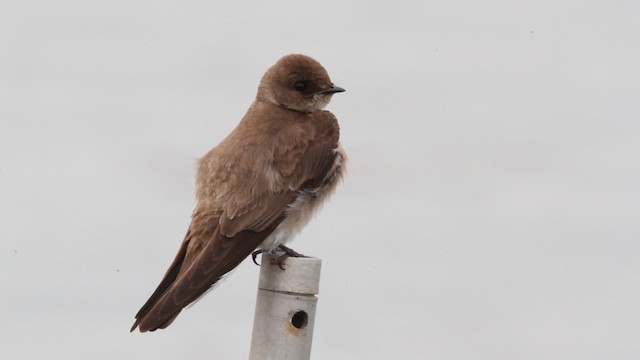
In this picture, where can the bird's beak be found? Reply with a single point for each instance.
(331, 90)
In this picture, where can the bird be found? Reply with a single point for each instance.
(258, 187)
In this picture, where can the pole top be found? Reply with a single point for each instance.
(301, 274)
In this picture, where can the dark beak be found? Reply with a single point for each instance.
(331, 90)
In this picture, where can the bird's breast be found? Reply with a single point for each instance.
(306, 204)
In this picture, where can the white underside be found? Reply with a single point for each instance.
(305, 207)
(300, 212)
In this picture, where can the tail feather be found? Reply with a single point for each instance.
(166, 283)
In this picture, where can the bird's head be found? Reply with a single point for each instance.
(297, 82)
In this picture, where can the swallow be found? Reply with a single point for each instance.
(258, 187)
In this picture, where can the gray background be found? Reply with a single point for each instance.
(490, 212)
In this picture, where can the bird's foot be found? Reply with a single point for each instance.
(289, 251)
(283, 253)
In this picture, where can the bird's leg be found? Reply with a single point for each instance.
(290, 252)
(255, 254)
(285, 252)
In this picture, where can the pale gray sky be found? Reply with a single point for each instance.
(491, 209)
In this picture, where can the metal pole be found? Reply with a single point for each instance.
(285, 309)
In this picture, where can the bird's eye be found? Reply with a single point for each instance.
(300, 86)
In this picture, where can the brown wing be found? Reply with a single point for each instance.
(217, 242)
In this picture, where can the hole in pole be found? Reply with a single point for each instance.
(300, 319)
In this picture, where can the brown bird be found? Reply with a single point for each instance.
(258, 187)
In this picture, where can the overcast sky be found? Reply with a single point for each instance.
(491, 209)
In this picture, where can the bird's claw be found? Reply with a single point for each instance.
(282, 253)
(286, 252)
(255, 254)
